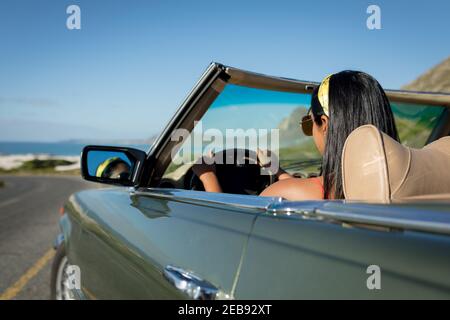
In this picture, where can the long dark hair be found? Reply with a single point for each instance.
(355, 99)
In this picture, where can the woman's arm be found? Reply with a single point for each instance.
(207, 175)
(207, 172)
(210, 182)
(296, 189)
(287, 187)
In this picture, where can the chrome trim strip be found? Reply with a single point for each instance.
(433, 218)
(413, 217)
(302, 209)
(219, 200)
(392, 222)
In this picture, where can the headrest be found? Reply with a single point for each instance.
(377, 168)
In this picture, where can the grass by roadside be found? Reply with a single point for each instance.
(2, 184)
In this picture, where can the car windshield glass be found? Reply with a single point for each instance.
(261, 111)
(248, 111)
(415, 122)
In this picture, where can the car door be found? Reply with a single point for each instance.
(338, 250)
(162, 243)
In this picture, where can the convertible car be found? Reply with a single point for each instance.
(155, 234)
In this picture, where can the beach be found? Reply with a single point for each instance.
(16, 161)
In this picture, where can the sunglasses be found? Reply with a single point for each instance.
(307, 125)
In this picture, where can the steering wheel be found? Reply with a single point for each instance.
(238, 172)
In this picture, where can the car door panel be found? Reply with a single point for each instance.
(301, 256)
(131, 237)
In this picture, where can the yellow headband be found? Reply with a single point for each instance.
(323, 94)
(101, 168)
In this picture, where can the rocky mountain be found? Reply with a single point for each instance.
(290, 129)
(437, 79)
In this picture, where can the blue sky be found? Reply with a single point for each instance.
(132, 63)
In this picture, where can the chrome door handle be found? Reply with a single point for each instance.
(193, 286)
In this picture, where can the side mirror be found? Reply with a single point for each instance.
(112, 165)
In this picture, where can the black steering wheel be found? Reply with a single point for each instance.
(238, 172)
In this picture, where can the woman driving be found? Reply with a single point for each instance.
(343, 102)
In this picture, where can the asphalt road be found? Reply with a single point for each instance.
(29, 214)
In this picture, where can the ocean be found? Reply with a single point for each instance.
(57, 148)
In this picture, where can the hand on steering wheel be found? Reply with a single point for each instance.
(266, 157)
(234, 175)
(269, 161)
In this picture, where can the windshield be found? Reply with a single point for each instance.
(246, 110)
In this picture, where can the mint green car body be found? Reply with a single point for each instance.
(249, 247)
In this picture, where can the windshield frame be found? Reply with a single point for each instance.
(211, 84)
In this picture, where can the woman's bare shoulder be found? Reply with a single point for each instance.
(295, 189)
